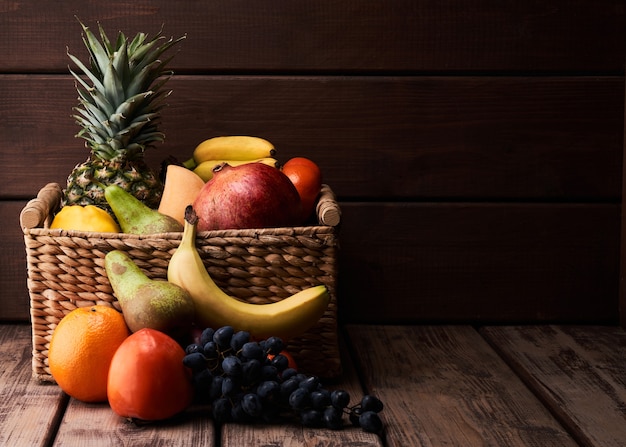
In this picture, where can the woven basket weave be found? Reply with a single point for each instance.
(66, 271)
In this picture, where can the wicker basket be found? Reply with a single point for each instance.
(66, 270)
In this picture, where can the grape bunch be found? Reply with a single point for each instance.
(248, 381)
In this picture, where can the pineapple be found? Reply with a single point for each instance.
(120, 99)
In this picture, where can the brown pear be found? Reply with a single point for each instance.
(154, 304)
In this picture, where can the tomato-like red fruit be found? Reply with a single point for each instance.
(147, 379)
(306, 176)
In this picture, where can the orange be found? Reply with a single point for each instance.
(306, 176)
(81, 350)
(85, 218)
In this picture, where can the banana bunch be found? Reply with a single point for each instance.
(214, 308)
(234, 150)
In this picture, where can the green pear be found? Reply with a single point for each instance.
(135, 217)
(154, 304)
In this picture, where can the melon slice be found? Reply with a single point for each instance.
(181, 187)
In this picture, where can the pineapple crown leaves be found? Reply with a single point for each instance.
(121, 94)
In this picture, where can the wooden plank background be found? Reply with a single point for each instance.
(475, 148)
(575, 371)
(454, 388)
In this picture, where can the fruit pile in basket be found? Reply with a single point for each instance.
(145, 360)
(228, 179)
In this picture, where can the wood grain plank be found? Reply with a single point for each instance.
(98, 425)
(463, 262)
(285, 435)
(349, 36)
(29, 410)
(577, 371)
(479, 138)
(443, 385)
(14, 300)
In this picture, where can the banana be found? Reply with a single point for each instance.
(232, 147)
(214, 308)
(205, 169)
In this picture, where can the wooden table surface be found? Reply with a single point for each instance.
(441, 385)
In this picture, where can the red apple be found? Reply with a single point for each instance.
(252, 195)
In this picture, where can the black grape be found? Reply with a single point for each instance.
(288, 387)
(193, 347)
(210, 350)
(215, 390)
(320, 400)
(288, 373)
(252, 350)
(195, 361)
(232, 367)
(299, 399)
(268, 390)
(332, 418)
(239, 339)
(370, 422)
(274, 345)
(310, 384)
(222, 337)
(251, 371)
(206, 336)
(229, 387)
(371, 403)
(251, 404)
(339, 399)
(234, 375)
(280, 362)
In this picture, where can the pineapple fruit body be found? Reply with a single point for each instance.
(85, 183)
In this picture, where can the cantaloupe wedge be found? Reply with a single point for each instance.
(181, 187)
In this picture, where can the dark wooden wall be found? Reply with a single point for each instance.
(475, 146)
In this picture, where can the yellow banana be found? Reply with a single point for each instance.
(233, 147)
(214, 308)
(205, 169)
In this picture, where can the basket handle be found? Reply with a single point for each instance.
(39, 209)
(327, 209)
